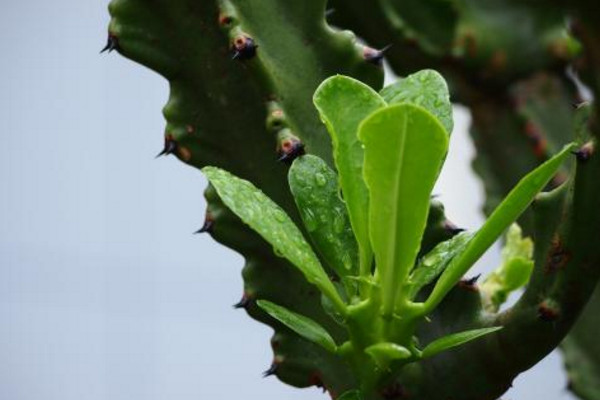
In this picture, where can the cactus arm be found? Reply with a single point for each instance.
(233, 113)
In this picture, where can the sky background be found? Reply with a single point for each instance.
(104, 291)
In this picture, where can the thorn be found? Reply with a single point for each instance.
(243, 48)
(271, 371)
(208, 225)
(329, 12)
(243, 303)
(170, 147)
(585, 152)
(375, 56)
(472, 281)
(452, 229)
(111, 44)
(290, 150)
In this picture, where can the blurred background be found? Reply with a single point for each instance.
(104, 291)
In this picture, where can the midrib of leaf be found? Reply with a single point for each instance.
(389, 294)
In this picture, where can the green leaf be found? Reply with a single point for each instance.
(435, 262)
(426, 88)
(384, 353)
(351, 395)
(515, 271)
(404, 151)
(343, 103)
(303, 326)
(505, 214)
(456, 339)
(274, 225)
(315, 189)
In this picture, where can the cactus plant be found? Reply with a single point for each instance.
(242, 77)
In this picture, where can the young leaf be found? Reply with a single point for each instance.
(315, 189)
(343, 103)
(455, 339)
(505, 214)
(426, 88)
(515, 271)
(404, 149)
(303, 326)
(384, 353)
(274, 225)
(435, 262)
(351, 395)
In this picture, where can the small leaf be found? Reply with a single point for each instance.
(435, 262)
(386, 352)
(456, 339)
(343, 104)
(515, 271)
(351, 395)
(505, 214)
(315, 189)
(274, 225)
(426, 88)
(303, 326)
(404, 150)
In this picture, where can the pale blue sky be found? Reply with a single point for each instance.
(104, 291)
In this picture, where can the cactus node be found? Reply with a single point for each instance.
(290, 149)
(243, 48)
(548, 311)
(585, 152)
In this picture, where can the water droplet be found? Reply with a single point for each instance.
(320, 179)
(347, 261)
(310, 221)
(277, 252)
(279, 215)
(339, 224)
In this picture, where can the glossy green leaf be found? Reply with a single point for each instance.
(384, 353)
(274, 225)
(456, 339)
(505, 214)
(513, 273)
(343, 104)
(315, 189)
(303, 326)
(435, 262)
(426, 88)
(404, 151)
(351, 395)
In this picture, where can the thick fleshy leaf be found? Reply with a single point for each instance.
(426, 88)
(384, 353)
(456, 339)
(303, 326)
(505, 214)
(273, 224)
(343, 104)
(351, 395)
(404, 150)
(315, 189)
(435, 262)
